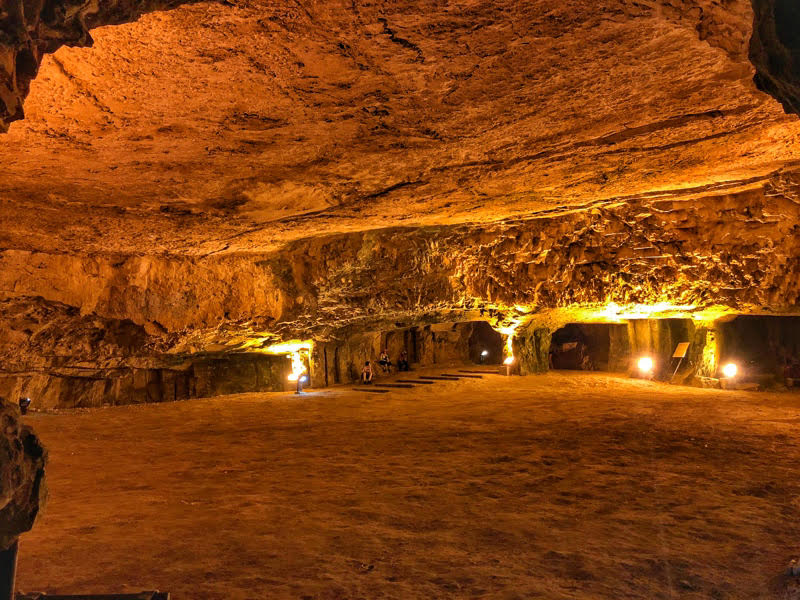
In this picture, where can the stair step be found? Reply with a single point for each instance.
(417, 381)
(462, 376)
(371, 391)
(394, 385)
(438, 378)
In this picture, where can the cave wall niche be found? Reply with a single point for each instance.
(340, 361)
(485, 339)
(658, 339)
(197, 377)
(762, 346)
(590, 347)
(615, 347)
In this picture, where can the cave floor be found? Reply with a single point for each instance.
(558, 486)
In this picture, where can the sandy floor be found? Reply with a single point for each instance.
(558, 486)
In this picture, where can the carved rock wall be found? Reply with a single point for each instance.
(197, 377)
(341, 360)
(740, 251)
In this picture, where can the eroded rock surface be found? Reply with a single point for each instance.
(22, 483)
(172, 135)
(29, 29)
(217, 177)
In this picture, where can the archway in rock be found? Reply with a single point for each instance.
(590, 347)
(339, 360)
(762, 346)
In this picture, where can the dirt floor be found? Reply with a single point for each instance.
(560, 486)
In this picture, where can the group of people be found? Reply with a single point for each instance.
(367, 373)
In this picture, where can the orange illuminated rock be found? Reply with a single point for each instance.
(22, 482)
(221, 175)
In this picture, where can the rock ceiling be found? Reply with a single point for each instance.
(240, 126)
(249, 165)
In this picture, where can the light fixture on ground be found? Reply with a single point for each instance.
(484, 354)
(298, 351)
(508, 362)
(730, 370)
(301, 380)
(645, 365)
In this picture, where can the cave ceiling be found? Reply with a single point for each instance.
(240, 126)
(216, 171)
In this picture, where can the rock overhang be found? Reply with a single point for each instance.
(225, 175)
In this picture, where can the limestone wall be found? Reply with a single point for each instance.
(341, 361)
(200, 377)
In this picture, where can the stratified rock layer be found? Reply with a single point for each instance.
(217, 177)
(739, 251)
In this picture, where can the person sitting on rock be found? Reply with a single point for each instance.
(402, 362)
(384, 362)
(366, 374)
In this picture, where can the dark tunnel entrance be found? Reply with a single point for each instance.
(762, 346)
(589, 347)
(408, 348)
(485, 344)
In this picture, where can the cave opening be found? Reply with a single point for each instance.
(340, 361)
(588, 347)
(764, 347)
(485, 344)
(787, 23)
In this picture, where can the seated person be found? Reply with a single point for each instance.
(383, 361)
(402, 362)
(366, 373)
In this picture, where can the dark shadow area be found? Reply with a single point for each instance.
(484, 339)
(775, 50)
(787, 25)
(761, 345)
(582, 347)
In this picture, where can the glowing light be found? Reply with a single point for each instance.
(298, 366)
(645, 364)
(485, 353)
(614, 312)
(730, 370)
(298, 350)
(508, 331)
(509, 361)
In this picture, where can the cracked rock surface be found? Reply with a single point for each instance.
(22, 483)
(221, 175)
(238, 127)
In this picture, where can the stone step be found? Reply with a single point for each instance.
(417, 381)
(462, 375)
(393, 385)
(438, 378)
(370, 390)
